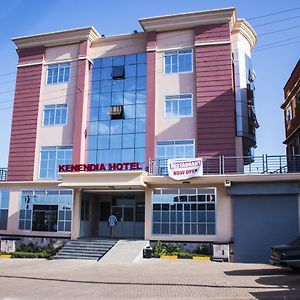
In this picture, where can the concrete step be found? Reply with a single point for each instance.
(85, 249)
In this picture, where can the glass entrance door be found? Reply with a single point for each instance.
(125, 217)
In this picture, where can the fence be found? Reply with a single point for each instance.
(219, 165)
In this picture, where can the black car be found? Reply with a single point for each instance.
(287, 255)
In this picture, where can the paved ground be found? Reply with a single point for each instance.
(145, 279)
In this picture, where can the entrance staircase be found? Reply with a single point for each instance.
(85, 249)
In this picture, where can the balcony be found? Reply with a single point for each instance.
(223, 165)
(3, 174)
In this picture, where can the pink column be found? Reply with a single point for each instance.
(78, 130)
(150, 120)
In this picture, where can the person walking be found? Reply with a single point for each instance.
(112, 223)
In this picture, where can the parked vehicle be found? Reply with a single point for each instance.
(287, 255)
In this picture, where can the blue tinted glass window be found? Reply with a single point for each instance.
(128, 141)
(106, 73)
(94, 114)
(141, 111)
(93, 128)
(104, 127)
(142, 58)
(117, 98)
(141, 83)
(118, 60)
(127, 155)
(116, 127)
(106, 86)
(117, 85)
(93, 144)
(110, 137)
(129, 97)
(105, 99)
(106, 62)
(130, 84)
(95, 100)
(128, 126)
(130, 59)
(141, 96)
(140, 125)
(141, 70)
(129, 111)
(116, 141)
(103, 141)
(92, 156)
(104, 113)
(130, 71)
(140, 140)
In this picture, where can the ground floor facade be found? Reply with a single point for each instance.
(253, 213)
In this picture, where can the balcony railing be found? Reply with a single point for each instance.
(222, 165)
(3, 174)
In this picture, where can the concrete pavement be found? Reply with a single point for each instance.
(144, 279)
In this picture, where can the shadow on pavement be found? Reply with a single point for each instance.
(260, 272)
(283, 282)
(131, 283)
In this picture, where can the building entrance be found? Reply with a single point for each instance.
(129, 209)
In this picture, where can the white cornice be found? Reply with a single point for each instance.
(209, 43)
(57, 38)
(189, 20)
(243, 27)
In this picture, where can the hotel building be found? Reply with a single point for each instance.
(96, 118)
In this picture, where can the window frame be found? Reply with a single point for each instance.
(289, 113)
(178, 50)
(178, 99)
(55, 106)
(52, 66)
(174, 141)
(180, 192)
(57, 177)
(34, 191)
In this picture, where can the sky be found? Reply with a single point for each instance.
(275, 56)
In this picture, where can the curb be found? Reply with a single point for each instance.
(5, 256)
(169, 256)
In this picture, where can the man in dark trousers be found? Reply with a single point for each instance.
(112, 223)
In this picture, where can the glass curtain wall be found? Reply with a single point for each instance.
(117, 123)
(46, 210)
(184, 211)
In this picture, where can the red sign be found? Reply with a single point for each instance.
(126, 166)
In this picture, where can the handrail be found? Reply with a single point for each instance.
(222, 165)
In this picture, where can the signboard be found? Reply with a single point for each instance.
(126, 166)
(185, 168)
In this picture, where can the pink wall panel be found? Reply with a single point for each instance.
(215, 95)
(25, 114)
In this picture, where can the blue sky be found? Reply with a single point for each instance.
(273, 64)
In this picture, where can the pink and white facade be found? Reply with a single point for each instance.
(181, 88)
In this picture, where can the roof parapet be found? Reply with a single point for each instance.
(57, 38)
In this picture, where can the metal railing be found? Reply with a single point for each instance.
(3, 174)
(220, 165)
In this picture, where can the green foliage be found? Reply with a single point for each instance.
(30, 254)
(33, 251)
(161, 249)
(203, 250)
